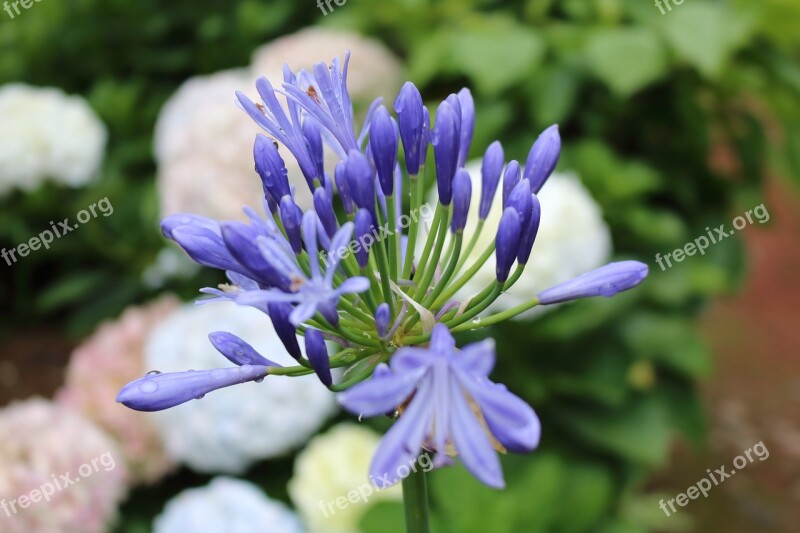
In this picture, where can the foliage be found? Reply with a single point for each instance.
(672, 121)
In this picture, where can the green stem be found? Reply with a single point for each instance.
(415, 502)
(454, 287)
(499, 317)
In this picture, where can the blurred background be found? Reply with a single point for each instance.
(674, 119)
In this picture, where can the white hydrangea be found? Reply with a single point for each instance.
(226, 505)
(573, 238)
(204, 142)
(44, 133)
(239, 425)
(331, 466)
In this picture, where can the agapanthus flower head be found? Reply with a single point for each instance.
(368, 270)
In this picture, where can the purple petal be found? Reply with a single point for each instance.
(471, 442)
(237, 351)
(380, 394)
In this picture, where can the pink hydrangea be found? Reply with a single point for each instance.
(59, 472)
(99, 367)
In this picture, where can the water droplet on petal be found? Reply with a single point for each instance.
(200, 397)
(259, 380)
(148, 387)
(153, 373)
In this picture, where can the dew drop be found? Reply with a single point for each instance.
(200, 397)
(148, 387)
(259, 380)
(153, 373)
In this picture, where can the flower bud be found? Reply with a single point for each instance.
(543, 158)
(510, 179)
(382, 318)
(606, 281)
(462, 194)
(383, 145)
(506, 243)
(445, 139)
(529, 232)
(317, 354)
(409, 109)
(491, 167)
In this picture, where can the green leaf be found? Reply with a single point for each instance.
(626, 59)
(638, 431)
(496, 54)
(706, 35)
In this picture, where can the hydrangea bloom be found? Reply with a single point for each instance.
(331, 466)
(250, 422)
(391, 310)
(111, 357)
(42, 443)
(35, 147)
(226, 504)
(203, 143)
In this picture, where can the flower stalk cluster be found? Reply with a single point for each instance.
(383, 310)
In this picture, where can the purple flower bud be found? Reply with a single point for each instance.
(236, 350)
(520, 200)
(491, 167)
(161, 391)
(361, 182)
(204, 244)
(271, 168)
(510, 179)
(409, 109)
(543, 157)
(382, 318)
(317, 354)
(383, 145)
(607, 280)
(324, 208)
(340, 176)
(313, 137)
(507, 243)
(171, 222)
(363, 233)
(239, 239)
(425, 139)
(291, 216)
(462, 194)
(467, 127)
(529, 232)
(279, 314)
(445, 139)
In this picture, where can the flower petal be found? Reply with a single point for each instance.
(380, 394)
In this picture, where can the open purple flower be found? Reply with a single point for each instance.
(451, 406)
(314, 293)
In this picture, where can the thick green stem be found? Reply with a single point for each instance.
(415, 502)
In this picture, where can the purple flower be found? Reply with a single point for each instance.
(382, 317)
(361, 182)
(507, 242)
(462, 194)
(452, 405)
(529, 232)
(491, 167)
(607, 280)
(324, 207)
(156, 392)
(511, 178)
(318, 356)
(272, 117)
(383, 144)
(409, 109)
(312, 294)
(543, 158)
(291, 216)
(237, 351)
(467, 126)
(445, 139)
(271, 168)
(363, 229)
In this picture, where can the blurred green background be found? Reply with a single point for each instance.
(674, 122)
